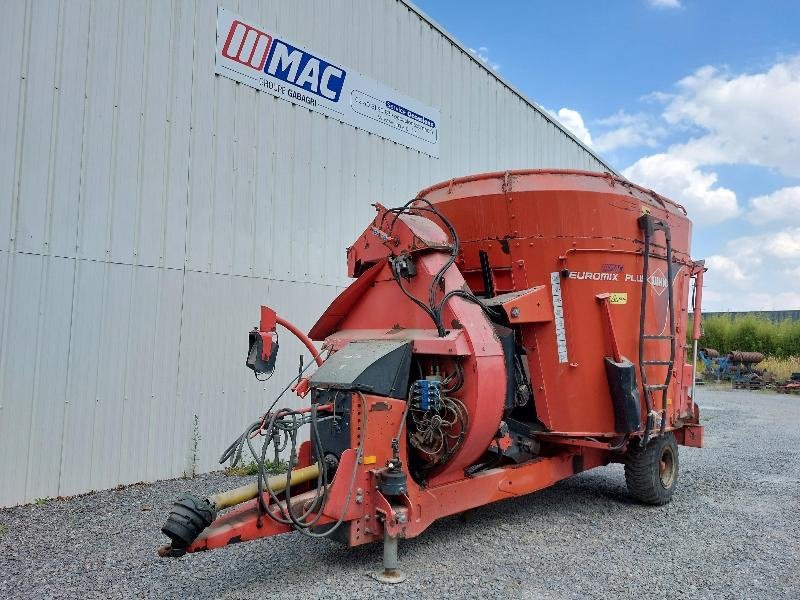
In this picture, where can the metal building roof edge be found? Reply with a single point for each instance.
(422, 15)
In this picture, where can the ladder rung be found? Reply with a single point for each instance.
(660, 386)
(658, 337)
(656, 362)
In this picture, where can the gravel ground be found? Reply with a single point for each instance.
(732, 530)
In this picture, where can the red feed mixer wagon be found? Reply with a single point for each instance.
(504, 331)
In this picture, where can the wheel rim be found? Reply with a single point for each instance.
(666, 467)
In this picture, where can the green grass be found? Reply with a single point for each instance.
(778, 341)
(750, 333)
(251, 468)
(3, 530)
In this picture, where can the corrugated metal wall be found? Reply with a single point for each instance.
(147, 208)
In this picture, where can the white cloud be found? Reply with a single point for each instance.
(793, 272)
(572, 120)
(628, 131)
(728, 268)
(781, 205)
(482, 54)
(716, 301)
(749, 276)
(775, 246)
(781, 301)
(747, 251)
(725, 282)
(784, 244)
(741, 119)
(665, 3)
(656, 97)
(682, 181)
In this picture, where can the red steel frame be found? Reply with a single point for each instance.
(371, 515)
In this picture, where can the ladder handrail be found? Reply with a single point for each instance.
(650, 225)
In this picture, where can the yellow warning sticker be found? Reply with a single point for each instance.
(619, 298)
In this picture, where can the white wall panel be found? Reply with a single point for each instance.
(100, 130)
(48, 393)
(13, 42)
(122, 360)
(23, 280)
(37, 125)
(148, 206)
(64, 162)
(83, 356)
(33, 372)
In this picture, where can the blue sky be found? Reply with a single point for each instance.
(699, 100)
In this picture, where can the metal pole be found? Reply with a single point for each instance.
(390, 563)
(391, 567)
(698, 270)
(694, 369)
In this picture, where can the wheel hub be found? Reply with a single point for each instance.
(666, 467)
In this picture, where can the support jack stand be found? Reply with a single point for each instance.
(391, 569)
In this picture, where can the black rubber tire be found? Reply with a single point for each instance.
(647, 479)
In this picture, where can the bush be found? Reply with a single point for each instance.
(750, 333)
(244, 469)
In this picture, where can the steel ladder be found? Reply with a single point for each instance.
(650, 225)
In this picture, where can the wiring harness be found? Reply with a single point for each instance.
(434, 307)
(439, 421)
(279, 431)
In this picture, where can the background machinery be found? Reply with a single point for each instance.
(504, 331)
(738, 367)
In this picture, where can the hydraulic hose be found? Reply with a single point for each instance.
(302, 337)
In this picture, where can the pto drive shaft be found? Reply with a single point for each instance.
(277, 483)
(190, 515)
